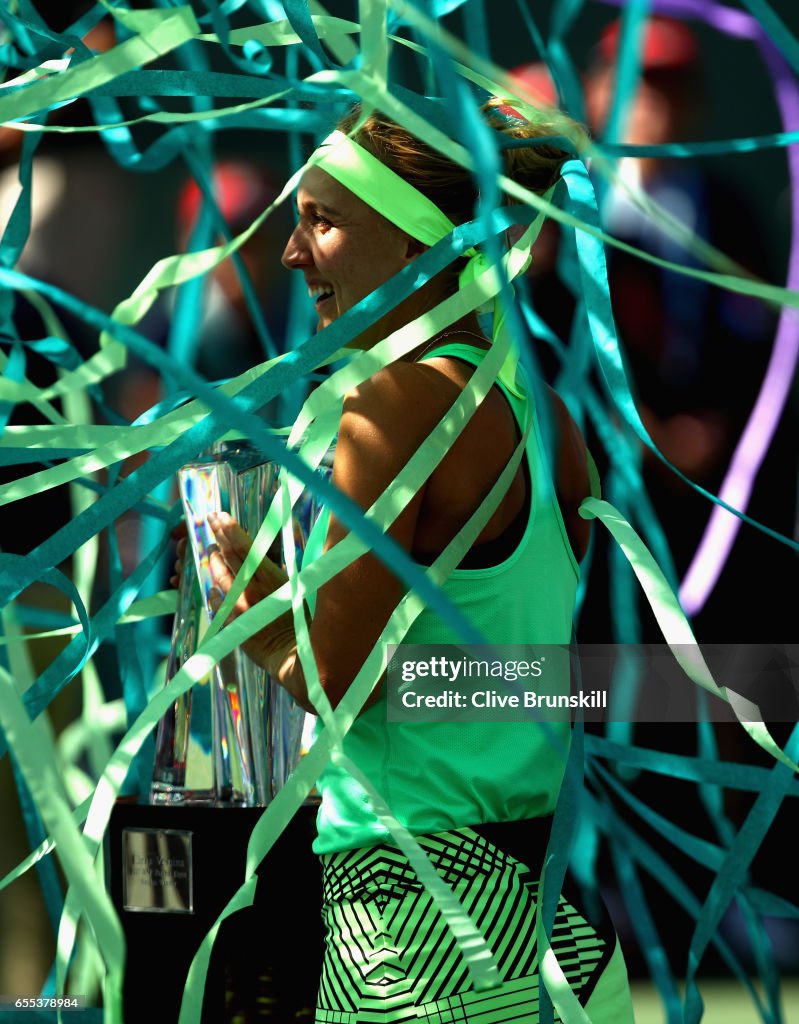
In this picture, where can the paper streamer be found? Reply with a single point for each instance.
(294, 70)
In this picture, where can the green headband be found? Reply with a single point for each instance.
(412, 212)
(382, 189)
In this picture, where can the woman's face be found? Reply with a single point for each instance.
(345, 250)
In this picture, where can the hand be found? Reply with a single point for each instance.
(271, 642)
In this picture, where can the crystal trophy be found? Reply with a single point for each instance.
(236, 735)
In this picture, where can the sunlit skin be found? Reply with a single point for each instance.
(344, 250)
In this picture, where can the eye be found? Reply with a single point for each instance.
(319, 221)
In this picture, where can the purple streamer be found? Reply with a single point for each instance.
(736, 490)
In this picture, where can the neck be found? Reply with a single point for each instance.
(467, 325)
(417, 305)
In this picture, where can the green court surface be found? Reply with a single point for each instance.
(726, 1002)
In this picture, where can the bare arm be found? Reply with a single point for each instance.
(384, 421)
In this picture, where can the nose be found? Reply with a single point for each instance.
(296, 252)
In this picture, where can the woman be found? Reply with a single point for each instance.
(478, 795)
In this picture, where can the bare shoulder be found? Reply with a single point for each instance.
(573, 483)
(402, 401)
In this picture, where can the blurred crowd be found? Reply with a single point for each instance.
(695, 354)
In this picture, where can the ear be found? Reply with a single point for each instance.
(414, 248)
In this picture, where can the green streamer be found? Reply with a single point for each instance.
(90, 448)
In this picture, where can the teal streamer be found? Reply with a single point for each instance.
(65, 666)
(689, 150)
(184, 326)
(440, 8)
(87, 21)
(167, 148)
(702, 851)
(662, 872)
(483, 142)
(564, 71)
(14, 370)
(191, 82)
(745, 777)
(61, 353)
(45, 869)
(628, 68)
(130, 648)
(476, 27)
(18, 227)
(146, 507)
(40, 618)
(57, 579)
(649, 939)
(785, 41)
(299, 323)
(758, 939)
(774, 906)
(204, 178)
(594, 278)
(564, 14)
(733, 872)
(238, 414)
(256, 59)
(574, 386)
(600, 324)
(561, 840)
(21, 28)
(756, 934)
(138, 645)
(52, 893)
(300, 18)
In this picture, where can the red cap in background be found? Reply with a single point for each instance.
(242, 191)
(536, 80)
(668, 44)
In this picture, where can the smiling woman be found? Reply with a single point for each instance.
(478, 796)
(345, 249)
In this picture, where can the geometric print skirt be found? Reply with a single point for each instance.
(391, 959)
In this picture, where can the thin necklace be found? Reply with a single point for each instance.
(447, 334)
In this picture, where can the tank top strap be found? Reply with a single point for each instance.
(474, 356)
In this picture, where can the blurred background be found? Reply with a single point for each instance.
(696, 356)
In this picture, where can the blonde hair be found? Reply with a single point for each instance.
(450, 186)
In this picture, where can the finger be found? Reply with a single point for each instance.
(270, 576)
(229, 556)
(181, 547)
(215, 599)
(223, 576)
(220, 571)
(229, 534)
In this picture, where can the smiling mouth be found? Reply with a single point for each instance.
(322, 298)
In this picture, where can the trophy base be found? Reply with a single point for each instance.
(177, 796)
(171, 870)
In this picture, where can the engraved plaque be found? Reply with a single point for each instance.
(157, 871)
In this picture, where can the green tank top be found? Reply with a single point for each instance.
(441, 775)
